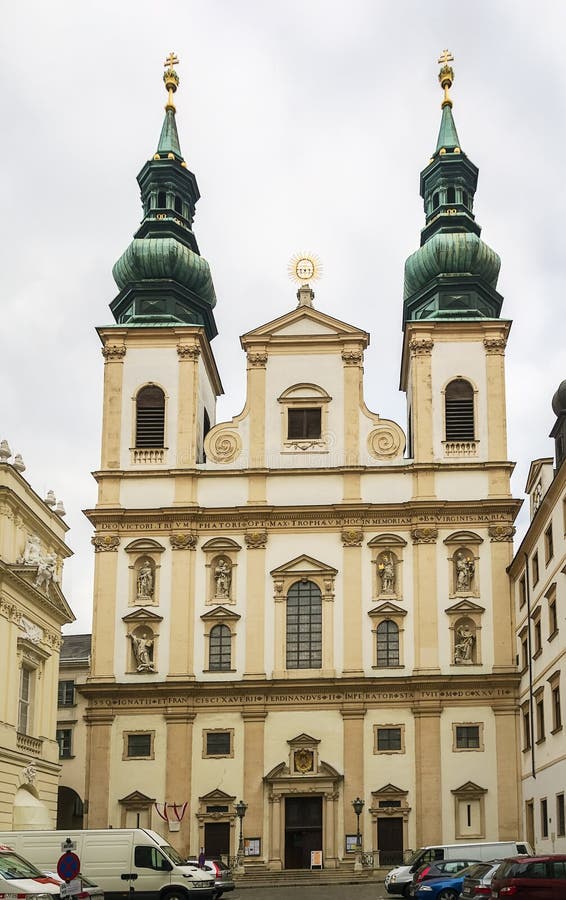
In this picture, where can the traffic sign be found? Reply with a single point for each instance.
(68, 866)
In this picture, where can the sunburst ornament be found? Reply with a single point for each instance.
(304, 268)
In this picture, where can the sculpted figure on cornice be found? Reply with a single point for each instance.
(45, 572)
(32, 552)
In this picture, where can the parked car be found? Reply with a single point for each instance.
(477, 883)
(445, 887)
(89, 890)
(438, 869)
(531, 878)
(18, 877)
(223, 878)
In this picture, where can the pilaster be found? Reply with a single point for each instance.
(508, 772)
(255, 613)
(352, 622)
(428, 775)
(114, 352)
(425, 600)
(104, 606)
(353, 738)
(501, 546)
(253, 765)
(182, 605)
(257, 362)
(99, 737)
(178, 771)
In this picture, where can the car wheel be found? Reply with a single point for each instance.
(407, 892)
(447, 894)
(174, 895)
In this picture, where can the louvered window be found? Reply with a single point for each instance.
(150, 417)
(459, 400)
(304, 626)
(220, 652)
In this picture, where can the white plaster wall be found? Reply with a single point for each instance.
(460, 485)
(142, 365)
(326, 726)
(384, 486)
(218, 492)
(147, 493)
(381, 769)
(126, 776)
(465, 359)
(549, 782)
(304, 490)
(225, 773)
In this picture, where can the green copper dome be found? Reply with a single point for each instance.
(450, 253)
(165, 257)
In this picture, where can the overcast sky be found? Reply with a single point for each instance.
(307, 123)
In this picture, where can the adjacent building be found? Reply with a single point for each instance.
(308, 604)
(32, 613)
(538, 574)
(74, 668)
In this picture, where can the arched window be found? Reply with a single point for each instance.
(220, 649)
(459, 408)
(178, 205)
(451, 195)
(304, 626)
(150, 417)
(435, 200)
(161, 200)
(387, 644)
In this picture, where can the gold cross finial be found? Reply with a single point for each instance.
(171, 79)
(446, 75)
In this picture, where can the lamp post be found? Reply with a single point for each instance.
(241, 808)
(358, 805)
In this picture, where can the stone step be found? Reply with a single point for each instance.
(299, 877)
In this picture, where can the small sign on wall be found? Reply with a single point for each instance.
(316, 859)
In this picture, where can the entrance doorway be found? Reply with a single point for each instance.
(303, 830)
(390, 841)
(216, 839)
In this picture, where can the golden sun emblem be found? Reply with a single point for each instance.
(304, 267)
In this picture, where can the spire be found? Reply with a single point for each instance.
(454, 274)
(162, 277)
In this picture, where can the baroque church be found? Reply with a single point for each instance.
(303, 624)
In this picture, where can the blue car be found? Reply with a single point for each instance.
(446, 888)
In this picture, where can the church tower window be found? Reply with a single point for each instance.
(459, 408)
(451, 195)
(178, 205)
(161, 200)
(304, 626)
(150, 417)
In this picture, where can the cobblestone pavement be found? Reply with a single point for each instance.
(375, 891)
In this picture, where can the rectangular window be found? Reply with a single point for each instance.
(548, 544)
(526, 730)
(560, 823)
(467, 737)
(304, 424)
(552, 618)
(66, 693)
(535, 568)
(64, 739)
(25, 700)
(524, 652)
(522, 591)
(218, 743)
(538, 636)
(139, 745)
(556, 708)
(544, 818)
(388, 739)
(541, 735)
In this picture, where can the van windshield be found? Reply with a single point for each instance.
(14, 866)
(416, 856)
(172, 854)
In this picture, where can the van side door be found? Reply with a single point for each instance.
(151, 870)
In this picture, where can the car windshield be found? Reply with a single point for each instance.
(172, 854)
(13, 866)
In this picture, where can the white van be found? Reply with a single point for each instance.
(399, 880)
(20, 878)
(127, 863)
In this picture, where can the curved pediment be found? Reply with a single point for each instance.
(463, 537)
(144, 545)
(387, 540)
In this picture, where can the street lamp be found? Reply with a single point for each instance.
(358, 806)
(241, 808)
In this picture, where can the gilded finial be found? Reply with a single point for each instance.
(446, 76)
(171, 79)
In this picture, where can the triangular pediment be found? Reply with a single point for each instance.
(465, 606)
(303, 740)
(136, 797)
(141, 616)
(220, 613)
(218, 796)
(389, 789)
(304, 565)
(304, 320)
(387, 609)
(52, 600)
(470, 788)
(535, 469)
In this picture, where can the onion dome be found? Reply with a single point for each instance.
(454, 273)
(162, 277)
(559, 400)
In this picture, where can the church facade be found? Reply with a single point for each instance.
(307, 605)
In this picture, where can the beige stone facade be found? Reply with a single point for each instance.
(74, 669)
(32, 613)
(300, 606)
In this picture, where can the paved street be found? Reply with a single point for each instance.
(315, 892)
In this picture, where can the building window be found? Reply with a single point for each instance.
(304, 424)
(522, 591)
(541, 734)
(218, 743)
(524, 649)
(560, 823)
(220, 648)
(161, 200)
(556, 709)
(387, 644)
(66, 693)
(451, 195)
(304, 626)
(526, 730)
(467, 737)
(537, 627)
(150, 417)
(388, 739)
(178, 205)
(535, 568)
(548, 544)
(552, 618)
(435, 200)
(25, 700)
(544, 817)
(64, 739)
(459, 409)
(138, 745)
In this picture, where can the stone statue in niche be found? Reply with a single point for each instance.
(145, 582)
(465, 568)
(386, 569)
(45, 572)
(223, 578)
(32, 552)
(143, 652)
(464, 645)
